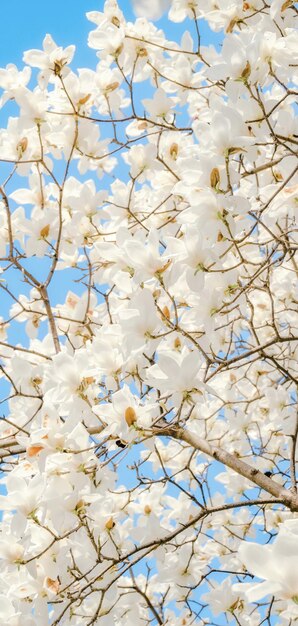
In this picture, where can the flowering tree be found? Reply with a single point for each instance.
(150, 431)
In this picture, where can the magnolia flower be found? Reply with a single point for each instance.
(139, 321)
(11, 551)
(276, 563)
(178, 373)
(180, 571)
(69, 382)
(51, 60)
(11, 79)
(109, 34)
(146, 255)
(159, 106)
(142, 160)
(22, 495)
(223, 598)
(125, 417)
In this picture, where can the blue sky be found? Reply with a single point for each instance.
(25, 23)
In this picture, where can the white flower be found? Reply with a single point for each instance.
(222, 598)
(51, 60)
(159, 106)
(177, 373)
(276, 563)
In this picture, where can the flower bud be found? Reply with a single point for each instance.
(84, 99)
(142, 52)
(130, 416)
(174, 151)
(34, 450)
(111, 87)
(231, 25)
(277, 175)
(58, 65)
(166, 312)
(156, 293)
(177, 343)
(162, 269)
(214, 178)
(142, 125)
(51, 585)
(110, 524)
(22, 145)
(118, 51)
(45, 231)
(286, 5)
(246, 72)
(115, 20)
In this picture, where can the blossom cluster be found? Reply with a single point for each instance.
(171, 219)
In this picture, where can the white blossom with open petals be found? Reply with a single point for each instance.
(274, 563)
(52, 60)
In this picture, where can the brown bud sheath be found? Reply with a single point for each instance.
(110, 524)
(130, 416)
(214, 177)
(174, 151)
(166, 312)
(45, 231)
